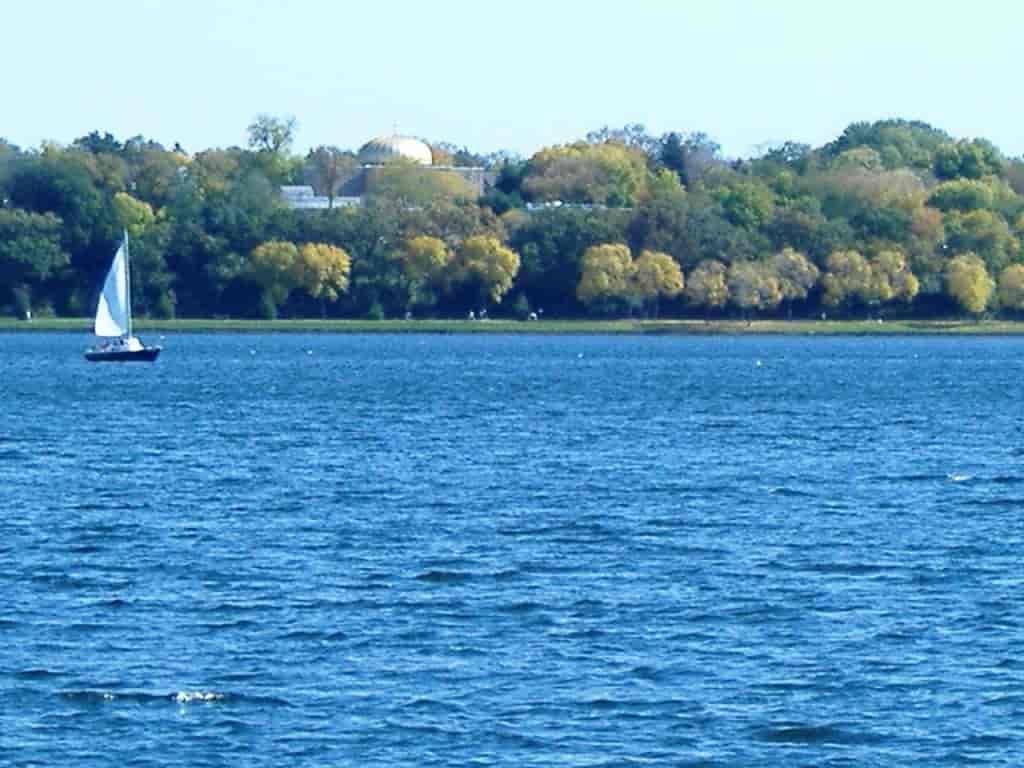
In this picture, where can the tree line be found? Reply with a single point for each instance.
(893, 218)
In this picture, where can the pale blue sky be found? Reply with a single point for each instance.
(514, 75)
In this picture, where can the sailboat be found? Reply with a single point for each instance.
(115, 341)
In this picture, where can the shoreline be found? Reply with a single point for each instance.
(545, 327)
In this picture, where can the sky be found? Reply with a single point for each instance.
(516, 75)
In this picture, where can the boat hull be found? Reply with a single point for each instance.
(144, 355)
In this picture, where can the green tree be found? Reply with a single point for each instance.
(962, 195)
(271, 134)
(747, 204)
(969, 283)
(62, 183)
(30, 252)
(692, 156)
(271, 139)
(551, 244)
(153, 293)
(898, 142)
(967, 159)
(984, 233)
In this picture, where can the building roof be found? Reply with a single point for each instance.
(388, 149)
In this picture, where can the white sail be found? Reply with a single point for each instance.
(113, 313)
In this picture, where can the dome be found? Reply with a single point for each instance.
(387, 149)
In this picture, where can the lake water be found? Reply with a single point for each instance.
(277, 550)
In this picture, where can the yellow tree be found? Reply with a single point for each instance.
(424, 262)
(413, 185)
(796, 276)
(848, 277)
(753, 285)
(609, 173)
(322, 270)
(968, 282)
(272, 266)
(891, 278)
(605, 275)
(706, 285)
(134, 215)
(656, 274)
(484, 260)
(1011, 287)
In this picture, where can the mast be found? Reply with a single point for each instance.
(128, 283)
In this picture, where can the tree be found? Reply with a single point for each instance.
(30, 252)
(848, 278)
(967, 159)
(425, 261)
(706, 285)
(271, 134)
(551, 244)
(322, 271)
(984, 233)
(898, 142)
(271, 139)
(611, 174)
(891, 278)
(62, 183)
(152, 281)
(606, 275)
(97, 144)
(272, 266)
(692, 156)
(412, 185)
(156, 174)
(660, 222)
(862, 157)
(799, 224)
(656, 275)
(968, 282)
(134, 215)
(1011, 288)
(962, 195)
(753, 285)
(747, 203)
(328, 168)
(796, 276)
(482, 260)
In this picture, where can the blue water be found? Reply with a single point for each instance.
(452, 551)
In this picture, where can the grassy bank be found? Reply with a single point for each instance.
(698, 327)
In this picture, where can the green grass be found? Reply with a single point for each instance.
(757, 327)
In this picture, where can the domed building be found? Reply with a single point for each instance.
(373, 158)
(395, 148)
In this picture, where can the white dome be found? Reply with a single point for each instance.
(387, 149)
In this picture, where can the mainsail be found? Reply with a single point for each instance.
(113, 313)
